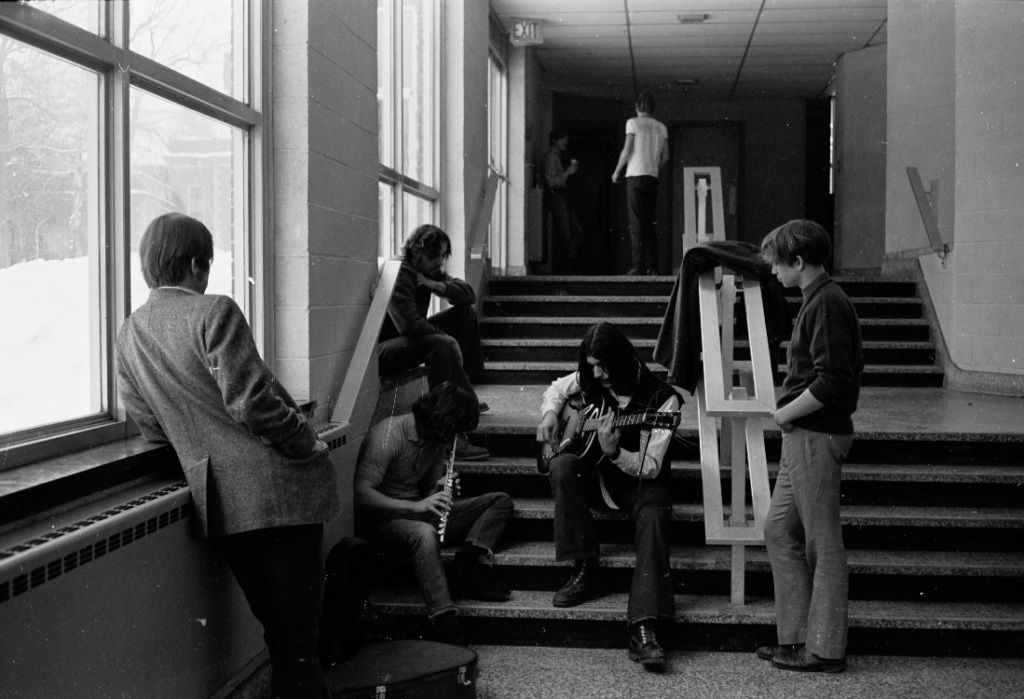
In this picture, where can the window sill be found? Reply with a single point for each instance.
(32, 492)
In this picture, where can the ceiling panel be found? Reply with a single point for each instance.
(745, 49)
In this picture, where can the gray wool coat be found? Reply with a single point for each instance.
(189, 374)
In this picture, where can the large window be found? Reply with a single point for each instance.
(112, 113)
(407, 83)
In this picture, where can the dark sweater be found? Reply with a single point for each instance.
(825, 358)
(407, 312)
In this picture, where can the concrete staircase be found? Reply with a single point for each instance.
(933, 522)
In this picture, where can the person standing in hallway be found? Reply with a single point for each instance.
(568, 230)
(803, 533)
(262, 484)
(643, 155)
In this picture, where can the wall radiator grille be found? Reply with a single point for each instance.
(37, 560)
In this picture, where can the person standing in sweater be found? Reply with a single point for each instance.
(803, 533)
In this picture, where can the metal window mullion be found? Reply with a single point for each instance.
(169, 84)
(398, 119)
(117, 170)
(44, 31)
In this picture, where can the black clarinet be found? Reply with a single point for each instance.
(449, 482)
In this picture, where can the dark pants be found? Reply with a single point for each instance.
(576, 491)
(642, 200)
(479, 520)
(281, 572)
(568, 232)
(455, 356)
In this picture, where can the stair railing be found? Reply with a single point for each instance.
(741, 409)
(366, 345)
(928, 206)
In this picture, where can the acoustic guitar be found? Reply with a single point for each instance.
(577, 430)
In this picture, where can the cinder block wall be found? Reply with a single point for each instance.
(464, 121)
(325, 201)
(860, 146)
(921, 132)
(988, 284)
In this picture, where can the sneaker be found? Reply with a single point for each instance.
(644, 647)
(471, 579)
(585, 584)
(447, 629)
(769, 652)
(636, 271)
(467, 451)
(484, 408)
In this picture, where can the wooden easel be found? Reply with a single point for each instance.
(740, 408)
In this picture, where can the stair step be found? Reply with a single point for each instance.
(523, 372)
(913, 473)
(689, 558)
(692, 609)
(850, 515)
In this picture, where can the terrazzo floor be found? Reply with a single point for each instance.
(507, 672)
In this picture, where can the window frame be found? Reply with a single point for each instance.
(104, 53)
(392, 229)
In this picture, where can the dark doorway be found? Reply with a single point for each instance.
(707, 144)
(592, 194)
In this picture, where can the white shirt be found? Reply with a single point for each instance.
(558, 393)
(649, 135)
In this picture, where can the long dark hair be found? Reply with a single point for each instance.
(444, 411)
(606, 343)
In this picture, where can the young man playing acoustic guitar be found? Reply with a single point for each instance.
(624, 469)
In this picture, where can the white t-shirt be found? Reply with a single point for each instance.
(649, 135)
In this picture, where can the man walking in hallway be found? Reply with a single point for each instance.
(644, 153)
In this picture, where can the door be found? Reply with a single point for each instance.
(707, 144)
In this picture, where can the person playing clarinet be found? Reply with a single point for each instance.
(404, 488)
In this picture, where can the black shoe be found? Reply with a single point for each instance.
(467, 451)
(585, 584)
(644, 647)
(769, 652)
(636, 271)
(470, 579)
(447, 629)
(803, 660)
(484, 408)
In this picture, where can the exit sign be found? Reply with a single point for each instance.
(526, 32)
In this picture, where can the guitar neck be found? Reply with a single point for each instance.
(621, 421)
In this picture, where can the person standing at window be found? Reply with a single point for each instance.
(644, 153)
(262, 483)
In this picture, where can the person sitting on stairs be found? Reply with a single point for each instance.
(400, 500)
(448, 342)
(629, 472)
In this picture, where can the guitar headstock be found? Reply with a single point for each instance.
(663, 421)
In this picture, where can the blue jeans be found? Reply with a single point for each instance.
(281, 572)
(479, 521)
(576, 492)
(804, 539)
